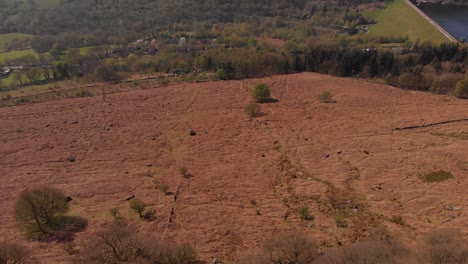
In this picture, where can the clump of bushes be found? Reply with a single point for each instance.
(386, 251)
(461, 89)
(437, 176)
(290, 247)
(253, 110)
(120, 244)
(14, 254)
(184, 172)
(261, 92)
(445, 246)
(138, 206)
(326, 97)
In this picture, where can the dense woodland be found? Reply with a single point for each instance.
(117, 17)
(219, 39)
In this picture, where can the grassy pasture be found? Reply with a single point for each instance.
(7, 38)
(16, 54)
(400, 19)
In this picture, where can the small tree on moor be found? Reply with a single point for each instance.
(260, 92)
(138, 206)
(40, 212)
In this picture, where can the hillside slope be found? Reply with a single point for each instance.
(248, 177)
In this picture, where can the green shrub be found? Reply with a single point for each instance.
(444, 85)
(253, 110)
(304, 213)
(260, 92)
(138, 206)
(437, 176)
(220, 75)
(183, 172)
(326, 97)
(461, 89)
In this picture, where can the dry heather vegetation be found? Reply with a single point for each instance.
(186, 174)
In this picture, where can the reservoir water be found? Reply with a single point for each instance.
(454, 19)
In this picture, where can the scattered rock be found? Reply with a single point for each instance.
(71, 159)
(263, 155)
(68, 199)
(451, 208)
(48, 125)
(192, 133)
(149, 165)
(130, 197)
(180, 139)
(19, 130)
(326, 155)
(75, 122)
(339, 152)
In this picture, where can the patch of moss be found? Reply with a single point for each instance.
(437, 176)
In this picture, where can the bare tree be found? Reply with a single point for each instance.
(39, 212)
(119, 244)
(291, 248)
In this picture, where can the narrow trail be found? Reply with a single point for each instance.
(431, 124)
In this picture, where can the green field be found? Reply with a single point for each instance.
(7, 38)
(400, 19)
(16, 54)
(6, 81)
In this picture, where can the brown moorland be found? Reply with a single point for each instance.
(246, 178)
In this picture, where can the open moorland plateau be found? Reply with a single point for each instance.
(348, 161)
